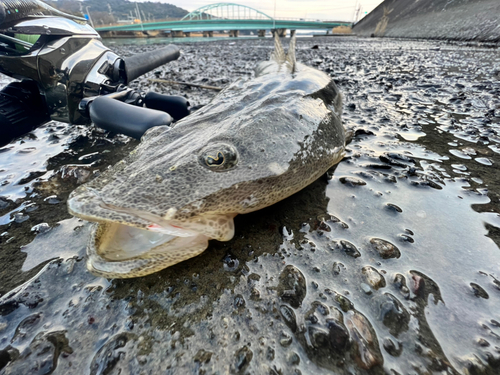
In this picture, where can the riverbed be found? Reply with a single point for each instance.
(389, 264)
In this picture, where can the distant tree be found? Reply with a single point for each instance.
(120, 10)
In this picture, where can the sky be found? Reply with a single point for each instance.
(332, 10)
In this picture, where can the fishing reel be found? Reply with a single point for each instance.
(67, 74)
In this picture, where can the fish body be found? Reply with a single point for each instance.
(256, 143)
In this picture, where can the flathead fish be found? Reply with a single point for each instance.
(257, 142)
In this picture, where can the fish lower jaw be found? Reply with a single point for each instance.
(120, 251)
(117, 250)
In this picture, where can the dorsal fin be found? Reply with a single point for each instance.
(290, 56)
(278, 54)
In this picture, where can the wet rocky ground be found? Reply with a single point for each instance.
(390, 264)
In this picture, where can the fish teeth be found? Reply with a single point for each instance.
(170, 213)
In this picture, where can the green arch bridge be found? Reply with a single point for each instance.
(223, 16)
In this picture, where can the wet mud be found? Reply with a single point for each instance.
(389, 264)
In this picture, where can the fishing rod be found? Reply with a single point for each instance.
(65, 73)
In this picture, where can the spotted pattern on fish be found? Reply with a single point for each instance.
(275, 133)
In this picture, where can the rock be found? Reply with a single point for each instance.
(363, 132)
(40, 358)
(319, 337)
(391, 348)
(41, 228)
(366, 288)
(406, 238)
(78, 174)
(285, 339)
(239, 302)
(423, 286)
(202, 356)
(482, 342)
(20, 217)
(400, 283)
(479, 291)
(338, 335)
(53, 199)
(292, 286)
(270, 353)
(7, 355)
(230, 262)
(243, 357)
(352, 181)
(373, 277)
(337, 268)
(108, 356)
(385, 249)
(349, 135)
(293, 358)
(347, 247)
(26, 326)
(4, 203)
(393, 208)
(393, 314)
(367, 352)
(289, 317)
(343, 302)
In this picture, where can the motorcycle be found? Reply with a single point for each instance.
(65, 73)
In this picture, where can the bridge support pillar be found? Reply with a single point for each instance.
(281, 32)
(262, 33)
(234, 33)
(187, 33)
(177, 34)
(107, 34)
(209, 34)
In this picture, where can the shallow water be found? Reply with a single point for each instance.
(391, 266)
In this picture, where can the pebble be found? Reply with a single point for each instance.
(41, 228)
(292, 286)
(348, 248)
(479, 291)
(352, 181)
(373, 277)
(385, 249)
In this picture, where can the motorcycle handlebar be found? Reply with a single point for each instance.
(141, 63)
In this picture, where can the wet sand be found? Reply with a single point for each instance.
(390, 264)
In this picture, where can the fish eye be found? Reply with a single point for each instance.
(215, 160)
(218, 157)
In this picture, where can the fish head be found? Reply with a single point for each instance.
(255, 144)
(183, 186)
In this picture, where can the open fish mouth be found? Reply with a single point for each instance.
(125, 251)
(137, 243)
(118, 250)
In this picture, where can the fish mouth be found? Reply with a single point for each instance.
(126, 243)
(121, 251)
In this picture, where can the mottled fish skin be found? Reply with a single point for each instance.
(256, 143)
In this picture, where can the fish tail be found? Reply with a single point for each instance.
(290, 56)
(278, 54)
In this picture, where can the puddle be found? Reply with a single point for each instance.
(411, 135)
(71, 232)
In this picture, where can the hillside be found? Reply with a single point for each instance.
(104, 12)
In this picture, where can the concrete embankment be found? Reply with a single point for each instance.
(434, 19)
